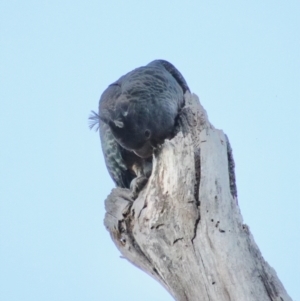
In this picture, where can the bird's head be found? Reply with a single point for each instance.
(132, 134)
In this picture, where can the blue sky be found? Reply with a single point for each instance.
(56, 57)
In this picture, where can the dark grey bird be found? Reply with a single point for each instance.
(136, 114)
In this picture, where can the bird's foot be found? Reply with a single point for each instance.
(137, 184)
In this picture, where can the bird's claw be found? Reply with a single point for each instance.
(137, 184)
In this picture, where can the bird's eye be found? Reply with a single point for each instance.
(147, 134)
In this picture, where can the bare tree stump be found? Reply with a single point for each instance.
(185, 228)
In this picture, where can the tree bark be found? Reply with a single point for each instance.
(185, 228)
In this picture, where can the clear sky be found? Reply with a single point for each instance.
(242, 58)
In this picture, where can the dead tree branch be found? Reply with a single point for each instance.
(185, 228)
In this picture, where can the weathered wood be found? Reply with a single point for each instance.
(185, 228)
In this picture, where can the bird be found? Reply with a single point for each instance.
(136, 114)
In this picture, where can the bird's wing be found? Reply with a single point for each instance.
(173, 71)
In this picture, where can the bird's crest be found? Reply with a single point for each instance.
(94, 121)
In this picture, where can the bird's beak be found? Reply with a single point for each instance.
(146, 151)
